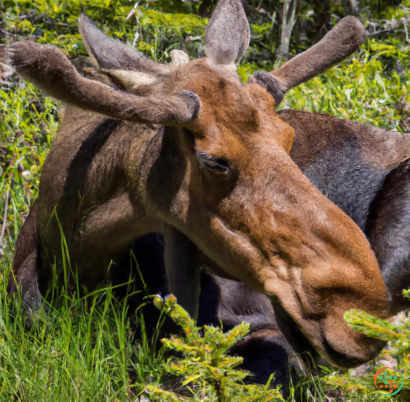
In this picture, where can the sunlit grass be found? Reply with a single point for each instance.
(77, 349)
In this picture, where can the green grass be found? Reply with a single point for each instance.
(78, 350)
(87, 350)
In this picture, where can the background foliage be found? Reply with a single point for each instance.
(55, 358)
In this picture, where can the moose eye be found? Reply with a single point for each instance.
(215, 165)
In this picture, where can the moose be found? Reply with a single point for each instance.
(190, 152)
(362, 169)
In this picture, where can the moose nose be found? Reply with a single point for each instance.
(343, 360)
(323, 334)
(346, 347)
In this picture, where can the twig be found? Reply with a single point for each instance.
(390, 29)
(288, 23)
(135, 12)
(56, 24)
(6, 210)
(382, 32)
(405, 30)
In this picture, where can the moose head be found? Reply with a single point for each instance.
(206, 162)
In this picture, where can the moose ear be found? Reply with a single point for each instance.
(228, 34)
(110, 54)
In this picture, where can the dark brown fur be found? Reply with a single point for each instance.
(365, 171)
(27, 262)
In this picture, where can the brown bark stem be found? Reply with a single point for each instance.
(288, 23)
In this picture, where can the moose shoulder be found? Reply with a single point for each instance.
(204, 160)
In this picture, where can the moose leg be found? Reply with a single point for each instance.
(388, 230)
(239, 303)
(24, 269)
(183, 271)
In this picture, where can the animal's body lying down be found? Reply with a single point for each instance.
(203, 159)
(265, 350)
(365, 171)
(233, 200)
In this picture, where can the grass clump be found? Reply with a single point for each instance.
(86, 349)
(79, 350)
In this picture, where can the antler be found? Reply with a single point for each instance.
(48, 68)
(110, 54)
(346, 37)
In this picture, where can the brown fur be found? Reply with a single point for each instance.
(113, 53)
(26, 260)
(219, 174)
(363, 170)
(64, 83)
(265, 353)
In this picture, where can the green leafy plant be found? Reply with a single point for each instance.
(205, 368)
